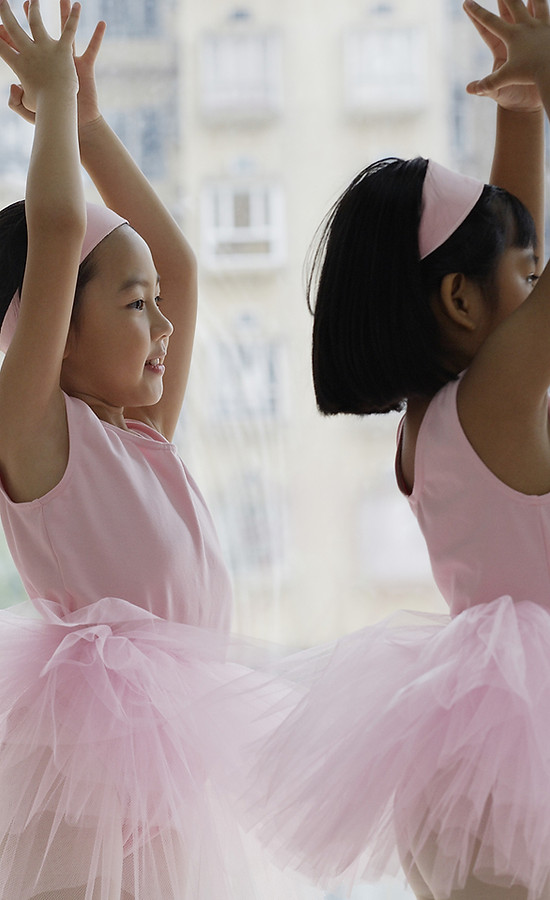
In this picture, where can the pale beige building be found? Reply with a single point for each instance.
(284, 103)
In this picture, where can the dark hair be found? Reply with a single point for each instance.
(375, 336)
(13, 258)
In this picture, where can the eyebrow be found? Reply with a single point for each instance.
(138, 281)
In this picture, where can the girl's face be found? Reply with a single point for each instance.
(115, 351)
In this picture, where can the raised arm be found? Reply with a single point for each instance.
(502, 399)
(515, 359)
(33, 429)
(519, 133)
(125, 189)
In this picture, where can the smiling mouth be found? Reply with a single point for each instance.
(156, 365)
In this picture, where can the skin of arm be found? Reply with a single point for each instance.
(33, 438)
(518, 165)
(125, 189)
(502, 399)
(519, 133)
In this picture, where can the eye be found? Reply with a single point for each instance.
(137, 304)
(158, 300)
(532, 279)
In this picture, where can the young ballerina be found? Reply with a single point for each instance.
(424, 742)
(105, 745)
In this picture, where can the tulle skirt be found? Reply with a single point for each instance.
(106, 754)
(420, 746)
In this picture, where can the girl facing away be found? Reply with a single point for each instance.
(105, 743)
(424, 742)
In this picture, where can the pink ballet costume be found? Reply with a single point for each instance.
(105, 746)
(427, 737)
(101, 753)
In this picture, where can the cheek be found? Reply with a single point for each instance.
(512, 297)
(521, 294)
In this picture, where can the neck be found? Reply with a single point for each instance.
(113, 415)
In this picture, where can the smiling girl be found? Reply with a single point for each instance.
(105, 747)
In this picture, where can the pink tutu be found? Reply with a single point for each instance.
(105, 753)
(417, 741)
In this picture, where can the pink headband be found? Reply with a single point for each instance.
(101, 221)
(447, 198)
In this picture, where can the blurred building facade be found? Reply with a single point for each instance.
(250, 118)
(282, 104)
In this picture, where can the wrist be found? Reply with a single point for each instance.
(54, 100)
(89, 126)
(88, 121)
(64, 91)
(526, 114)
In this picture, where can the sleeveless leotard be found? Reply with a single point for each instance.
(484, 538)
(141, 530)
(107, 744)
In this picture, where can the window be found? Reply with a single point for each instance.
(242, 226)
(240, 75)
(251, 525)
(126, 18)
(385, 70)
(461, 130)
(144, 132)
(454, 8)
(248, 375)
(392, 549)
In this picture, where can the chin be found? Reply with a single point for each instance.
(150, 399)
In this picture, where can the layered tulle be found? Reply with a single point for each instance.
(421, 744)
(106, 749)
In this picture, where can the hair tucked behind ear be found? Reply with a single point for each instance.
(375, 337)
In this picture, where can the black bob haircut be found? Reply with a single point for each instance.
(13, 259)
(375, 336)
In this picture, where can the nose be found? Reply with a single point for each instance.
(160, 325)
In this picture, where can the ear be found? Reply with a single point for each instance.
(460, 301)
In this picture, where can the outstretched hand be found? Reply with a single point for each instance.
(40, 62)
(520, 41)
(88, 106)
(518, 97)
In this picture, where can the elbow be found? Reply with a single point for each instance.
(67, 222)
(186, 270)
(189, 261)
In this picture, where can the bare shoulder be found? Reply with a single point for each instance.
(34, 451)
